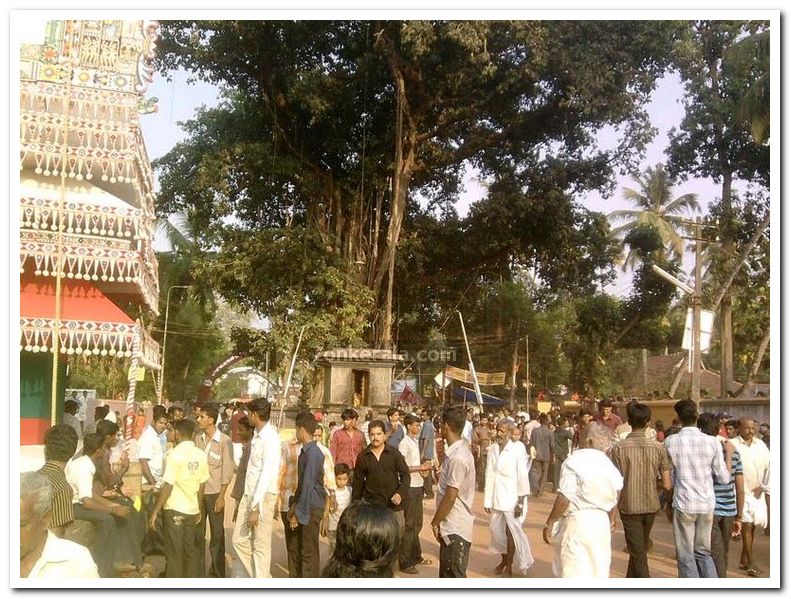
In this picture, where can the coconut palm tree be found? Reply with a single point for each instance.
(656, 207)
(750, 56)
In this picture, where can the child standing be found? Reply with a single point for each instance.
(343, 497)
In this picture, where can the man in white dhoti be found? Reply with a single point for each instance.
(583, 516)
(505, 499)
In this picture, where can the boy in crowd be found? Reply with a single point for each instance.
(343, 498)
(186, 472)
(307, 504)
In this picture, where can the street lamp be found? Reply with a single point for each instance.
(165, 341)
(696, 311)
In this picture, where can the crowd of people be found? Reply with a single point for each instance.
(362, 485)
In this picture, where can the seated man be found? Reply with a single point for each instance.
(41, 553)
(94, 508)
(109, 483)
(60, 443)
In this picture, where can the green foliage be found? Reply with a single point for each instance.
(656, 208)
(714, 139)
(750, 287)
(301, 154)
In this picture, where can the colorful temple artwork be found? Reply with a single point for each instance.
(86, 208)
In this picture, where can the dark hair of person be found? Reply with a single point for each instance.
(159, 412)
(70, 407)
(637, 414)
(376, 424)
(349, 414)
(305, 419)
(733, 423)
(410, 419)
(212, 412)
(244, 422)
(659, 426)
(185, 428)
(366, 545)
(543, 419)
(605, 403)
(172, 410)
(392, 411)
(261, 407)
(584, 413)
(91, 442)
(105, 428)
(60, 443)
(454, 418)
(709, 424)
(100, 412)
(687, 412)
(342, 469)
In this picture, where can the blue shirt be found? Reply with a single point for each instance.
(427, 438)
(725, 495)
(395, 438)
(310, 492)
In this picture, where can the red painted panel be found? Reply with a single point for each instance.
(32, 430)
(79, 301)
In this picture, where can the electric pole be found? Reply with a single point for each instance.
(527, 370)
(696, 302)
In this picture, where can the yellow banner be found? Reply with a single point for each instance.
(484, 378)
(140, 375)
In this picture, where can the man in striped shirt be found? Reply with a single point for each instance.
(641, 461)
(60, 443)
(729, 499)
(695, 458)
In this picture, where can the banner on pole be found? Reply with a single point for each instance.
(465, 376)
(438, 379)
(706, 326)
(139, 373)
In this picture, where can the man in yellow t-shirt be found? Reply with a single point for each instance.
(186, 471)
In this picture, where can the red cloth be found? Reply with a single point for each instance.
(345, 446)
(235, 437)
(139, 426)
(613, 422)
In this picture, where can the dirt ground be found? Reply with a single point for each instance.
(661, 559)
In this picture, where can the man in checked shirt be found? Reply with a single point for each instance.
(694, 457)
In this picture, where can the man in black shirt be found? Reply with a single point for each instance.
(381, 474)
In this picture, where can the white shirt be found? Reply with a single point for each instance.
(589, 480)
(63, 559)
(529, 427)
(466, 432)
(344, 498)
(410, 449)
(263, 469)
(149, 447)
(74, 423)
(755, 461)
(79, 474)
(506, 476)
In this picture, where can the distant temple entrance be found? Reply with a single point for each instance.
(357, 377)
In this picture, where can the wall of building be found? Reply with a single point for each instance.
(339, 385)
(35, 389)
(757, 408)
